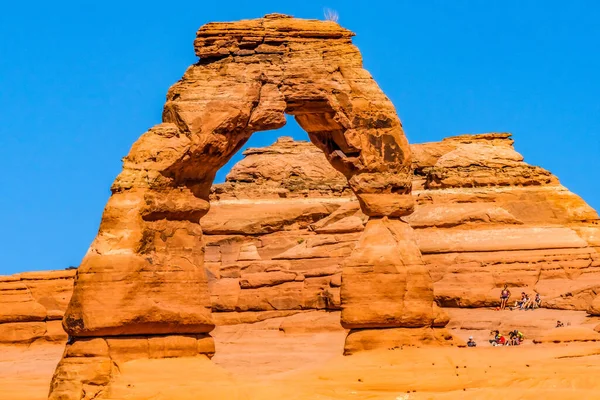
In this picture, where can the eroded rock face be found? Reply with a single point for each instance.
(503, 221)
(306, 241)
(144, 273)
(146, 262)
(32, 305)
(533, 235)
(266, 257)
(287, 169)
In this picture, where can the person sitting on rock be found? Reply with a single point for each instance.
(537, 302)
(516, 337)
(519, 303)
(534, 303)
(471, 342)
(526, 302)
(495, 334)
(511, 339)
(498, 339)
(504, 296)
(559, 324)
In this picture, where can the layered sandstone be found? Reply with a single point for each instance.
(483, 218)
(143, 277)
(146, 262)
(486, 216)
(32, 305)
(293, 237)
(284, 224)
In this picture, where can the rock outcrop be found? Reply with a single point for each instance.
(279, 232)
(32, 305)
(277, 238)
(290, 233)
(144, 273)
(505, 222)
(486, 216)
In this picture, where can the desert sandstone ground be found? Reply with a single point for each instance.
(261, 361)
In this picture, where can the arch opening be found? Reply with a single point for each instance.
(262, 139)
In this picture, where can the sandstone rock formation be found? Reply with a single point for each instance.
(288, 169)
(277, 238)
(485, 216)
(144, 275)
(475, 234)
(302, 235)
(294, 236)
(32, 305)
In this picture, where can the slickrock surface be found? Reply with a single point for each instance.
(27, 370)
(279, 358)
(427, 373)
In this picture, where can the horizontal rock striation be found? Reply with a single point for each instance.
(32, 305)
(475, 234)
(501, 222)
(144, 273)
(279, 233)
(277, 239)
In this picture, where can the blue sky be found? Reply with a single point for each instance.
(81, 81)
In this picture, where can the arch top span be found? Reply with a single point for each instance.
(251, 73)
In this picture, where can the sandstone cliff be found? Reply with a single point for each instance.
(32, 305)
(483, 218)
(284, 222)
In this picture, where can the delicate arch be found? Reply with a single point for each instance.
(144, 274)
(146, 262)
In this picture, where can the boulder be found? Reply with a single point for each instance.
(569, 334)
(396, 338)
(594, 307)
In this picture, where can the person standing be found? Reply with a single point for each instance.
(504, 296)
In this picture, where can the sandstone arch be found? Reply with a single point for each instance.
(143, 274)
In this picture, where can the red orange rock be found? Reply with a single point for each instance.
(144, 273)
(32, 305)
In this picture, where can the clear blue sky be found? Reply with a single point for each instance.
(79, 83)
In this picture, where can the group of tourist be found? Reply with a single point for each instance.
(514, 337)
(524, 303)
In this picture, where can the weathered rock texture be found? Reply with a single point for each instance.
(144, 273)
(32, 305)
(485, 216)
(312, 237)
(502, 222)
(277, 237)
(146, 262)
(283, 224)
